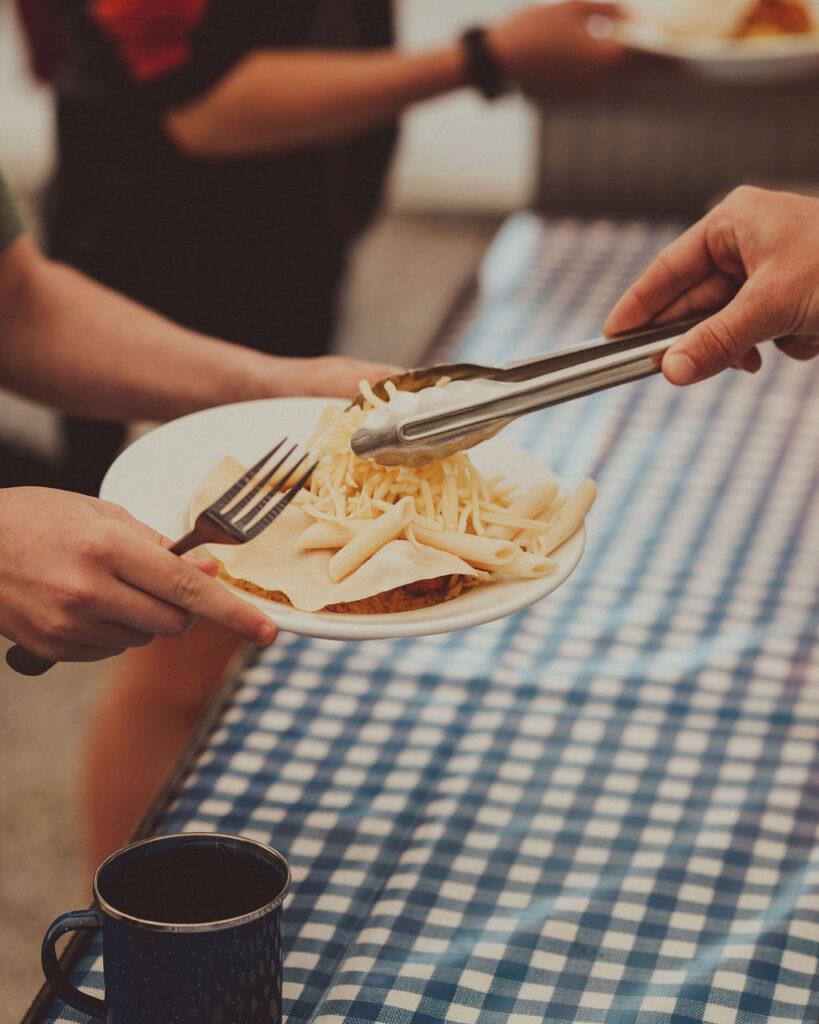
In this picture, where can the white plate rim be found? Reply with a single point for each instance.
(516, 595)
(752, 51)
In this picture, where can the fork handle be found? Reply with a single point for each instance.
(28, 664)
(192, 539)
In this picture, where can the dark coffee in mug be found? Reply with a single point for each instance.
(191, 931)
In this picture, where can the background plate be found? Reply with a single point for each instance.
(760, 59)
(155, 478)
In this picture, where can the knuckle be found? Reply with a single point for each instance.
(744, 195)
(45, 647)
(75, 596)
(57, 629)
(95, 548)
(716, 344)
(187, 587)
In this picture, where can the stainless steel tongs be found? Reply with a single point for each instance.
(528, 385)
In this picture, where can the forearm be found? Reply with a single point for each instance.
(275, 100)
(75, 345)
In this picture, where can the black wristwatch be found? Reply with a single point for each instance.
(481, 65)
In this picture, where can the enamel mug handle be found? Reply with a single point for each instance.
(76, 920)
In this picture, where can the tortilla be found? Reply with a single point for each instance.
(272, 563)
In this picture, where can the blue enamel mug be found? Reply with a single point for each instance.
(191, 932)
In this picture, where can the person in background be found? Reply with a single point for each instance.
(755, 259)
(80, 578)
(216, 161)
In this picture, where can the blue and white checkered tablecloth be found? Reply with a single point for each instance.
(604, 808)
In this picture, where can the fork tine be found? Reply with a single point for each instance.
(281, 504)
(232, 511)
(243, 481)
(247, 518)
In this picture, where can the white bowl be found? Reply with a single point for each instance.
(155, 478)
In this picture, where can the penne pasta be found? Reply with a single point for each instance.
(371, 539)
(330, 535)
(518, 525)
(529, 505)
(570, 517)
(482, 552)
(529, 566)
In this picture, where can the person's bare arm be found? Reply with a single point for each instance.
(77, 346)
(275, 100)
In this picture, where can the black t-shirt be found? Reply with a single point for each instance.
(247, 249)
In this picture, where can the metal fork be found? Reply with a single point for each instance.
(237, 516)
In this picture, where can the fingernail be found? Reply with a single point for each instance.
(680, 368)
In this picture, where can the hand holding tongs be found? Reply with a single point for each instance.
(529, 385)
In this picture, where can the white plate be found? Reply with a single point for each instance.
(155, 478)
(758, 59)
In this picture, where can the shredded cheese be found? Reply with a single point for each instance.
(448, 495)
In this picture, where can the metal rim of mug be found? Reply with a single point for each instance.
(198, 926)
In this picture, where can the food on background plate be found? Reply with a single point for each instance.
(369, 539)
(727, 19)
(775, 17)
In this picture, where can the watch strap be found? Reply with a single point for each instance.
(481, 65)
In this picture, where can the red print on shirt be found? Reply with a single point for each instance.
(152, 36)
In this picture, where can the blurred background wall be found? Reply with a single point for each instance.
(461, 153)
(25, 111)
